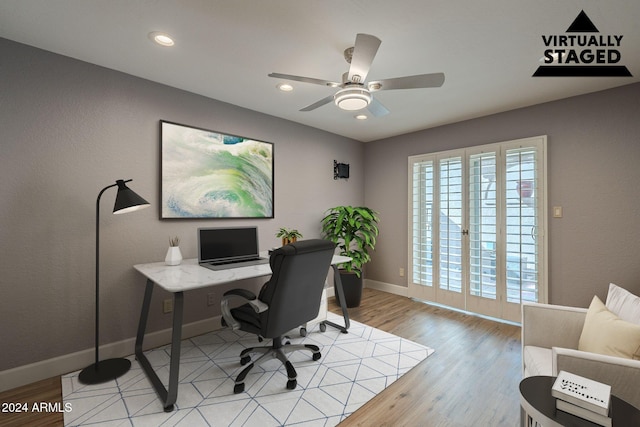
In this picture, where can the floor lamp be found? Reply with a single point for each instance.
(101, 371)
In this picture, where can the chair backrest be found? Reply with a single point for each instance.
(294, 291)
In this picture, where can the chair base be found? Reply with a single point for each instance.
(278, 351)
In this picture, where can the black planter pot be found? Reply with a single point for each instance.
(352, 286)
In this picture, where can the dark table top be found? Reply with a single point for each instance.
(537, 392)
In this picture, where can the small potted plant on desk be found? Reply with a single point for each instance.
(288, 236)
(354, 229)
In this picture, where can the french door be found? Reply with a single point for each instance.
(477, 221)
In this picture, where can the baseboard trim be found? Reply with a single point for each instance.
(27, 374)
(387, 287)
(403, 291)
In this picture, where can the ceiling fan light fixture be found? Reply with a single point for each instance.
(352, 98)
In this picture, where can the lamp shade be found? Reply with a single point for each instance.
(127, 200)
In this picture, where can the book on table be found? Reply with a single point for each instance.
(582, 392)
(578, 411)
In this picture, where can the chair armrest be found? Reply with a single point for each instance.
(547, 326)
(246, 297)
(244, 293)
(623, 375)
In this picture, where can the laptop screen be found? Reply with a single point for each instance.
(227, 244)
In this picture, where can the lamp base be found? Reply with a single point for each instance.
(104, 370)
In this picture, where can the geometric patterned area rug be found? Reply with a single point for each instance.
(354, 367)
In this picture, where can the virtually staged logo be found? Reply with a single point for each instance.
(584, 54)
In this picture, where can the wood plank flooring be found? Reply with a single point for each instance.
(471, 380)
(49, 390)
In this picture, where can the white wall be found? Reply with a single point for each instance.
(68, 129)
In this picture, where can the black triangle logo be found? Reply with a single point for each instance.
(582, 24)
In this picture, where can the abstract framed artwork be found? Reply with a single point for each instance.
(206, 174)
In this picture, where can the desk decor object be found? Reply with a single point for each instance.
(174, 255)
(582, 397)
(205, 174)
(105, 370)
(288, 235)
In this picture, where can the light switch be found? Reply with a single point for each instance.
(557, 211)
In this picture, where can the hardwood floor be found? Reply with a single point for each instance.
(471, 379)
(49, 390)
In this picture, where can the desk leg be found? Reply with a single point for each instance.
(337, 284)
(169, 397)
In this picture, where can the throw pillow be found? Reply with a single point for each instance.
(605, 333)
(624, 304)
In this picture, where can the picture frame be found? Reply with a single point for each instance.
(207, 174)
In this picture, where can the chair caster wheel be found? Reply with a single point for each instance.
(323, 327)
(238, 388)
(303, 332)
(244, 360)
(291, 384)
(317, 356)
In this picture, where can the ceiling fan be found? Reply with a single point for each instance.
(355, 93)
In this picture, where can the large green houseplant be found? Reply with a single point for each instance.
(354, 230)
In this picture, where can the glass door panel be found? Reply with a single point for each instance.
(521, 255)
(482, 225)
(422, 217)
(450, 225)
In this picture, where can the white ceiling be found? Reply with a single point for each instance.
(224, 50)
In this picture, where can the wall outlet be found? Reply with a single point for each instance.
(401, 272)
(211, 298)
(167, 306)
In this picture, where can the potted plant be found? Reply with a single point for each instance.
(354, 230)
(288, 236)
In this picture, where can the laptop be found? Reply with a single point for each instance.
(223, 248)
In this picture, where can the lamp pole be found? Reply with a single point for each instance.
(102, 371)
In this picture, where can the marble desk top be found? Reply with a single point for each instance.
(189, 275)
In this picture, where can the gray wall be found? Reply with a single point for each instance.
(593, 173)
(68, 129)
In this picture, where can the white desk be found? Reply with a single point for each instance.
(189, 276)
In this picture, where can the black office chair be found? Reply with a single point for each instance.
(289, 299)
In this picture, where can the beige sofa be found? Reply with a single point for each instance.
(550, 337)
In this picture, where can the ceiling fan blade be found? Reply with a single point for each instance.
(409, 82)
(320, 103)
(377, 109)
(364, 51)
(304, 79)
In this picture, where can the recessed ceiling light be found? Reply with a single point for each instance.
(163, 39)
(361, 117)
(285, 87)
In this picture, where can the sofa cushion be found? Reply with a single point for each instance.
(606, 333)
(537, 361)
(623, 303)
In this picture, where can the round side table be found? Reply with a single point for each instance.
(539, 405)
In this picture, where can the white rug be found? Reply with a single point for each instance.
(354, 368)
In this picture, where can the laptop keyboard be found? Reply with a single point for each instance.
(234, 264)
